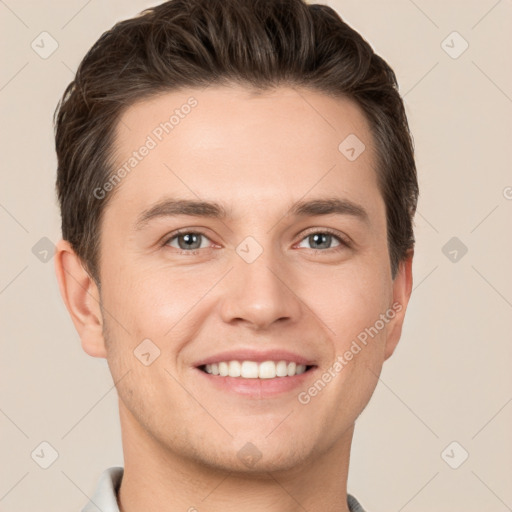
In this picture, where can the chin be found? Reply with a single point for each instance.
(254, 455)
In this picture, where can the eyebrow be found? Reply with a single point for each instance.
(214, 210)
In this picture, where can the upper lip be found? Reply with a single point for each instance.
(256, 355)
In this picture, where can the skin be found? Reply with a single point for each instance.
(256, 154)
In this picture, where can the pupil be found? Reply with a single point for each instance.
(189, 240)
(321, 238)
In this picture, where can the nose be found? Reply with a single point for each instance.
(260, 294)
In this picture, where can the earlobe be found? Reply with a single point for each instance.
(82, 299)
(402, 289)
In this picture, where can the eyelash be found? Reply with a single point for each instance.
(344, 243)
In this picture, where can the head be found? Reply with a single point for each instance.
(255, 108)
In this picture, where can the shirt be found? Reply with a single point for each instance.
(105, 495)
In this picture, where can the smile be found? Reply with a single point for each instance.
(255, 370)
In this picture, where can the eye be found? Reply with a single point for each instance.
(187, 240)
(320, 240)
(323, 240)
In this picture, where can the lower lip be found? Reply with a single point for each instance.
(258, 388)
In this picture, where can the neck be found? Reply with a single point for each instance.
(157, 479)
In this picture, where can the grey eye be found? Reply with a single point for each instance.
(321, 240)
(187, 241)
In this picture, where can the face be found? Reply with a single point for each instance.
(245, 234)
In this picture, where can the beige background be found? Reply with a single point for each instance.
(449, 379)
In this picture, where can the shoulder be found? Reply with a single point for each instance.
(104, 498)
(353, 504)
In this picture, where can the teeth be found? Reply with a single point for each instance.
(281, 369)
(254, 370)
(267, 370)
(223, 369)
(249, 370)
(234, 368)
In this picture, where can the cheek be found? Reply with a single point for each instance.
(348, 302)
(155, 302)
(353, 304)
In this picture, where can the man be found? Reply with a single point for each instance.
(237, 187)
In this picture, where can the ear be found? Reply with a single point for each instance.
(81, 297)
(402, 288)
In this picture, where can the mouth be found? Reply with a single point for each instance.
(256, 370)
(257, 380)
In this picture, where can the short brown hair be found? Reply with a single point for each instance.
(194, 43)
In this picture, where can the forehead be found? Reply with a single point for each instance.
(253, 148)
